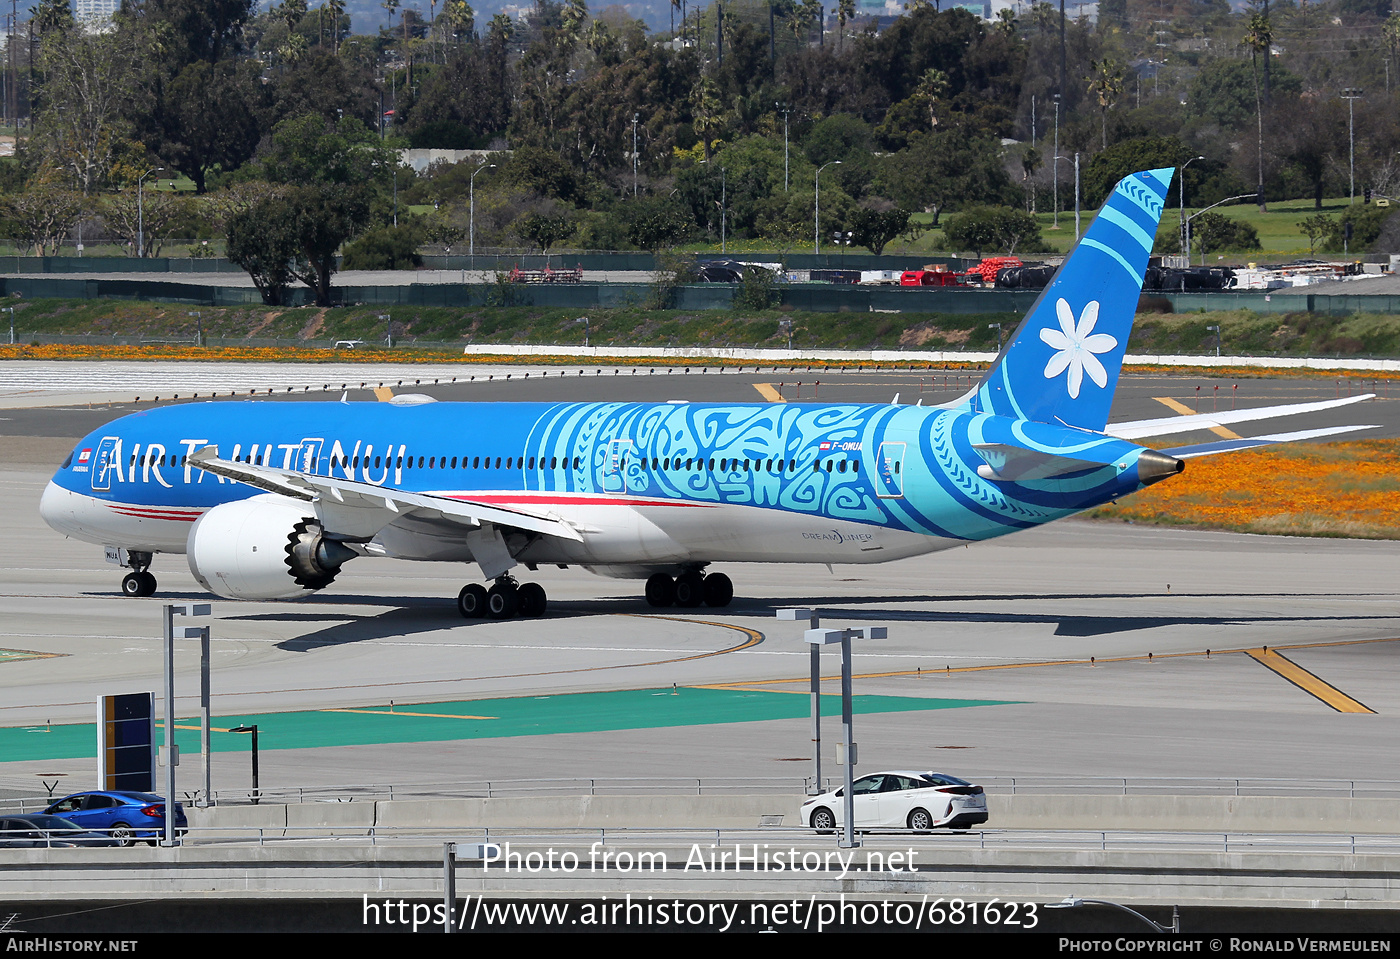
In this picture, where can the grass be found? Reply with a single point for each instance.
(1337, 489)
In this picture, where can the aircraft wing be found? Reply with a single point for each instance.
(1245, 443)
(359, 510)
(1168, 425)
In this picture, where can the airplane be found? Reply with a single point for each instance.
(269, 500)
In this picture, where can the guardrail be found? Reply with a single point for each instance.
(524, 839)
(702, 786)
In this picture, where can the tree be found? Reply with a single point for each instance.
(210, 119)
(938, 169)
(44, 215)
(992, 227)
(90, 84)
(544, 229)
(153, 217)
(1259, 38)
(263, 241)
(1316, 227)
(385, 248)
(311, 150)
(1211, 232)
(656, 223)
(295, 234)
(1106, 84)
(873, 229)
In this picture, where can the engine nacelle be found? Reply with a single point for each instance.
(265, 547)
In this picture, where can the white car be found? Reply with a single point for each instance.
(898, 799)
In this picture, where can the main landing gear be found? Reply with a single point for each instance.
(689, 590)
(139, 582)
(505, 599)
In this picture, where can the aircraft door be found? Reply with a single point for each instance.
(889, 471)
(615, 469)
(309, 456)
(104, 462)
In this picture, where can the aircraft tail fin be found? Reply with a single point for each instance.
(1062, 364)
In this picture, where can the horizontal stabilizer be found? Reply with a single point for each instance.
(1168, 425)
(1014, 464)
(1245, 443)
(359, 510)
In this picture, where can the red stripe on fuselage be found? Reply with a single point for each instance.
(526, 499)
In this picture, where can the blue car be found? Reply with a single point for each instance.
(127, 817)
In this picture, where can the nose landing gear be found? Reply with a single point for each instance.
(139, 582)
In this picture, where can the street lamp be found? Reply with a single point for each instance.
(169, 750)
(1228, 199)
(254, 730)
(997, 326)
(635, 117)
(389, 328)
(199, 327)
(1216, 330)
(10, 310)
(1351, 95)
(584, 321)
(141, 212)
(1076, 196)
(784, 108)
(1072, 902)
(1181, 202)
(471, 189)
(1055, 164)
(817, 209)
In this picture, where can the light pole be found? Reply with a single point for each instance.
(1228, 199)
(1076, 197)
(199, 327)
(584, 321)
(1351, 95)
(1216, 330)
(254, 730)
(997, 326)
(723, 210)
(1071, 902)
(1181, 203)
(784, 108)
(170, 753)
(10, 310)
(827, 637)
(635, 117)
(141, 212)
(471, 216)
(1055, 165)
(817, 209)
(389, 328)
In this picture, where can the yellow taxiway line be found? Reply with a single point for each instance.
(769, 392)
(1306, 681)
(1184, 410)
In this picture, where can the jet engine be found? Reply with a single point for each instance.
(264, 547)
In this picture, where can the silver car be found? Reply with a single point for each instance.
(901, 798)
(42, 831)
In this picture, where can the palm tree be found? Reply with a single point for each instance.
(933, 85)
(845, 13)
(1107, 87)
(1259, 37)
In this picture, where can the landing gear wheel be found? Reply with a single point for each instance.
(661, 591)
(531, 599)
(138, 584)
(920, 820)
(502, 601)
(471, 601)
(719, 590)
(690, 590)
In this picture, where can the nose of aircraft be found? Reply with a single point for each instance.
(56, 507)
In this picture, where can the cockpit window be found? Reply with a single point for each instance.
(67, 460)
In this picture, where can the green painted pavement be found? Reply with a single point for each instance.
(437, 722)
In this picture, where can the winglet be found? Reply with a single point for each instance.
(1062, 364)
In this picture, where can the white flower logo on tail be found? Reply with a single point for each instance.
(1076, 345)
